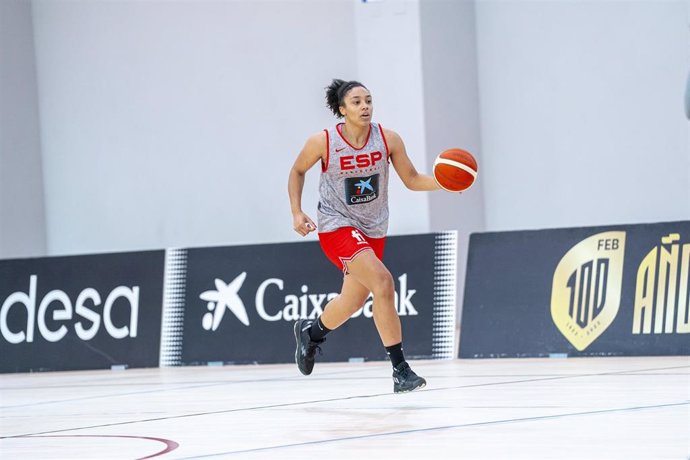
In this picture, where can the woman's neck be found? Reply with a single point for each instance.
(355, 134)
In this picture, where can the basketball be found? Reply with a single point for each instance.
(455, 170)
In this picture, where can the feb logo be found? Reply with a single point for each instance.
(586, 292)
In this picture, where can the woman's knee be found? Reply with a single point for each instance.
(383, 284)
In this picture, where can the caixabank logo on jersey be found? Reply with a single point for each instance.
(80, 312)
(241, 302)
(583, 291)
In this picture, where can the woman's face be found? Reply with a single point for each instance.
(357, 107)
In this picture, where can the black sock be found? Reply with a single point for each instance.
(318, 331)
(395, 353)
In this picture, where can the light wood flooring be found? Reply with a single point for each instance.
(577, 408)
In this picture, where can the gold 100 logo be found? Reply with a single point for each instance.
(661, 290)
(586, 292)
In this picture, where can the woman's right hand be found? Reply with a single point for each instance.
(302, 223)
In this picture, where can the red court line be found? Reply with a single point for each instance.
(169, 444)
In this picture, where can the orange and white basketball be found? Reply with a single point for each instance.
(455, 170)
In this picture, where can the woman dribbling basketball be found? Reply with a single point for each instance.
(353, 221)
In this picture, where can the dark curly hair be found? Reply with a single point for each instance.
(336, 92)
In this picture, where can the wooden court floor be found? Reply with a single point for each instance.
(577, 408)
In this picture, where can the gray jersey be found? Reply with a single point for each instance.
(353, 189)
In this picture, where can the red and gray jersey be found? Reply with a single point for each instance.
(354, 184)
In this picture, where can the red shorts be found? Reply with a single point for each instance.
(342, 245)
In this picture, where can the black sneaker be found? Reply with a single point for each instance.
(404, 379)
(306, 347)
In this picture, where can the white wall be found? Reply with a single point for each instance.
(22, 212)
(176, 123)
(389, 58)
(581, 112)
(451, 109)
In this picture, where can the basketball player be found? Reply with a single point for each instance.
(353, 220)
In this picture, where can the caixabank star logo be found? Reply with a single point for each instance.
(586, 292)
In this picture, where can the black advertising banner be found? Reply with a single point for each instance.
(81, 312)
(233, 304)
(238, 304)
(597, 291)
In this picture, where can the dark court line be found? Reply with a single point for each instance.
(166, 386)
(439, 428)
(132, 393)
(320, 378)
(216, 381)
(183, 386)
(302, 403)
